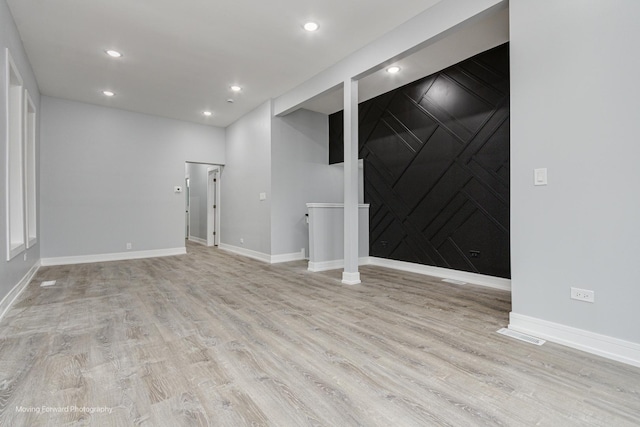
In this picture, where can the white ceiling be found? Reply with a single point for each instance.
(485, 34)
(180, 57)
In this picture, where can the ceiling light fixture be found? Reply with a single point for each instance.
(207, 113)
(114, 53)
(235, 88)
(108, 93)
(394, 69)
(311, 26)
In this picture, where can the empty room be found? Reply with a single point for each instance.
(290, 213)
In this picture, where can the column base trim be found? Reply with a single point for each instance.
(351, 278)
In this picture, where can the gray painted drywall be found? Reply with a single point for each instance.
(198, 194)
(575, 103)
(108, 177)
(13, 271)
(300, 175)
(326, 236)
(246, 175)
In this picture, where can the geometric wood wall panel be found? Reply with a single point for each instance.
(436, 167)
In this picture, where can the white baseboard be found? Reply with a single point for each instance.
(333, 264)
(245, 252)
(591, 342)
(119, 256)
(445, 273)
(15, 292)
(325, 265)
(260, 256)
(198, 240)
(295, 256)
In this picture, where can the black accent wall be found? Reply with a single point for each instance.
(436, 156)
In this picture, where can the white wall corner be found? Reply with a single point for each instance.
(602, 345)
(15, 292)
(119, 256)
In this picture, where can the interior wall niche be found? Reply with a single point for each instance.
(436, 167)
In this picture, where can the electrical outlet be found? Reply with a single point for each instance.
(242, 240)
(474, 254)
(585, 295)
(128, 246)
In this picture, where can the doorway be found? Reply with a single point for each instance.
(186, 208)
(202, 203)
(213, 201)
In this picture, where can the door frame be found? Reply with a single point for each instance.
(187, 207)
(213, 199)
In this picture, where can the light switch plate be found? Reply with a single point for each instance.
(540, 176)
(263, 196)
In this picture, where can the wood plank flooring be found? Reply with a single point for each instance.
(211, 338)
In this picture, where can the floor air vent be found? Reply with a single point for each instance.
(455, 282)
(521, 337)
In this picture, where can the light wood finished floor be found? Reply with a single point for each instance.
(211, 338)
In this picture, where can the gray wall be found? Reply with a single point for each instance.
(287, 158)
(198, 194)
(300, 175)
(575, 104)
(13, 271)
(246, 175)
(108, 178)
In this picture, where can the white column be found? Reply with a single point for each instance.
(350, 275)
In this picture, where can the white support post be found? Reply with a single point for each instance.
(350, 275)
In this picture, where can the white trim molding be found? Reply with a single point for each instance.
(333, 264)
(15, 292)
(351, 278)
(119, 256)
(260, 256)
(294, 256)
(245, 252)
(591, 342)
(445, 273)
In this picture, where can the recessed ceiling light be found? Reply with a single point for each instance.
(207, 113)
(230, 101)
(114, 53)
(310, 26)
(108, 93)
(235, 88)
(394, 69)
